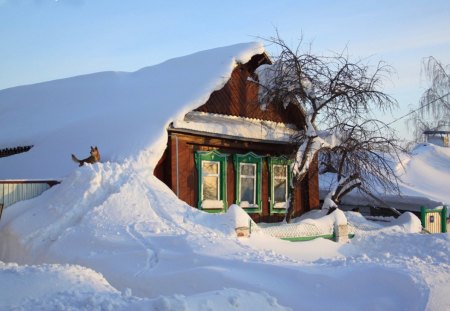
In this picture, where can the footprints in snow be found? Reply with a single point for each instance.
(152, 258)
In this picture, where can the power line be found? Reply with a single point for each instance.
(421, 107)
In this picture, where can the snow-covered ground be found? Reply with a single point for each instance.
(107, 238)
(113, 237)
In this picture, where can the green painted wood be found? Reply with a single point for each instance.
(444, 219)
(214, 156)
(310, 238)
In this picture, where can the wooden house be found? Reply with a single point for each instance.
(231, 151)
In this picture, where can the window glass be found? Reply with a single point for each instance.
(280, 190)
(279, 170)
(211, 188)
(248, 169)
(210, 180)
(248, 183)
(210, 167)
(248, 190)
(280, 183)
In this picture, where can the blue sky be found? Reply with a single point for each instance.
(44, 40)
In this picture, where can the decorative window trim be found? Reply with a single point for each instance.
(249, 158)
(284, 161)
(212, 206)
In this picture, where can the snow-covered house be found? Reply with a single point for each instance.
(230, 150)
(194, 121)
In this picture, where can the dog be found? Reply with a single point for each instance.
(95, 157)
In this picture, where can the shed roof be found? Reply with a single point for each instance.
(429, 132)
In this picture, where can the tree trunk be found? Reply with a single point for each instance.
(292, 198)
(345, 187)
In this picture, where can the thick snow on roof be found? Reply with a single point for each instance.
(426, 171)
(237, 127)
(124, 114)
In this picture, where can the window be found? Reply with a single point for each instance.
(211, 168)
(280, 176)
(211, 180)
(248, 181)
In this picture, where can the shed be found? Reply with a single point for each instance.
(439, 138)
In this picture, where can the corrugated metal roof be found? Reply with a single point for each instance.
(11, 192)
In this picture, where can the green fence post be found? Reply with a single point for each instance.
(444, 219)
(422, 215)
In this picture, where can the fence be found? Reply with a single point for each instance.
(303, 231)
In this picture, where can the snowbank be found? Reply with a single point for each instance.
(409, 222)
(78, 288)
(146, 243)
(405, 223)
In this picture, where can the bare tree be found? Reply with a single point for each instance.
(433, 111)
(364, 158)
(336, 96)
(436, 99)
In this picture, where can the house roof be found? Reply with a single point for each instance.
(436, 132)
(240, 97)
(227, 126)
(125, 114)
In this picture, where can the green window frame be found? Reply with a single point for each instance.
(248, 168)
(280, 174)
(212, 185)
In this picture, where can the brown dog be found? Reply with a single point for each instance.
(95, 157)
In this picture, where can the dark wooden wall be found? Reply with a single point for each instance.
(239, 97)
